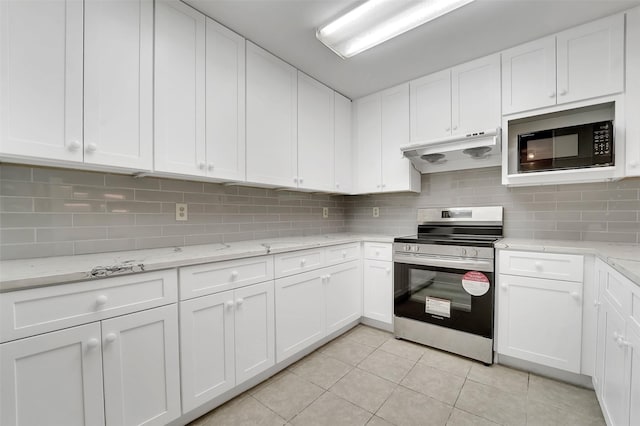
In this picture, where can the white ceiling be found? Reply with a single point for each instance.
(286, 28)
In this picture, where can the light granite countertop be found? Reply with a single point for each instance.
(27, 273)
(625, 258)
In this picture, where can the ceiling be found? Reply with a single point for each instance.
(286, 28)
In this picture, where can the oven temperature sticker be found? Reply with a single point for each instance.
(436, 306)
(475, 283)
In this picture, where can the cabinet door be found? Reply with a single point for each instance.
(633, 337)
(315, 134)
(554, 338)
(41, 79)
(397, 172)
(271, 119)
(529, 76)
(141, 368)
(299, 313)
(207, 351)
(343, 169)
(53, 379)
(475, 94)
(255, 330)
(591, 60)
(118, 83)
(377, 294)
(225, 103)
(431, 107)
(179, 141)
(343, 295)
(632, 94)
(367, 152)
(614, 389)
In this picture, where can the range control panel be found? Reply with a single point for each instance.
(602, 140)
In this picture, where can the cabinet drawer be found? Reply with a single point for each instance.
(342, 253)
(215, 277)
(298, 261)
(617, 289)
(39, 310)
(378, 251)
(566, 267)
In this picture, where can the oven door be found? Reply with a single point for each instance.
(437, 295)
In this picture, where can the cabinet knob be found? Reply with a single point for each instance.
(300, 180)
(303, 261)
(575, 295)
(110, 338)
(455, 127)
(633, 164)
(91, 147)
(596, 303)
(234, 274)
(295, 180)
(337, 185)
(74, 146)
(201, 166)
(538, 266)
(239, 302)
(384, 185)
(328, 276)
(552, 94)
(504, 286)
(344, 253)
(229, 304)
(377, 252)
(563, 92)
(377, 186)
(387, 270)
(101, 300)
(448, 129)
(210, 167)
(93, 343)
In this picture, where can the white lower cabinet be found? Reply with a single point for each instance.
(53, 378)
(226, 338)
(314, 304)
(540, 321)
(377, 294)
(617, 373)
(58, 376)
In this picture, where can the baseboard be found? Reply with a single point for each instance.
(543, 370)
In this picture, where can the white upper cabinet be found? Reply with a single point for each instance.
(118, 83)
(632, 94)
(342, 148)
(271, 119)
(315, 134)
(225, 103)
(41, 79)
(381, 128)
(368, 157)
(179, 89)
(580, 63)
(529, 76)
(431, 106)
(397, 171)
(591, 60)
(475, 96)
(456, 101)
(45, 114)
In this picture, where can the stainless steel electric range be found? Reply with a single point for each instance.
(444, 280)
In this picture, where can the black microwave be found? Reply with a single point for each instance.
(574, 147)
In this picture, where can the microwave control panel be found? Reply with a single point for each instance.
(602, 140)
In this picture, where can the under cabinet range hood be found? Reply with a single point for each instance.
(470, 151)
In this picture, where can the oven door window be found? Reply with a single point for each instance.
(437, 296)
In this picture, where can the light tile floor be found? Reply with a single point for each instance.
(367, 377)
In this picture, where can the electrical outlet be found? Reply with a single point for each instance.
(325, 212)
(376, 212)
(182, 213)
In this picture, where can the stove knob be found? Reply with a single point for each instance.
(473, 252)
(463, 251)
(416, 249)
(407, 247)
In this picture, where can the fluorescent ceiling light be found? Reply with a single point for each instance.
(376, 21)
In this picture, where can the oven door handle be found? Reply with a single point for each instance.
(454, 263)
